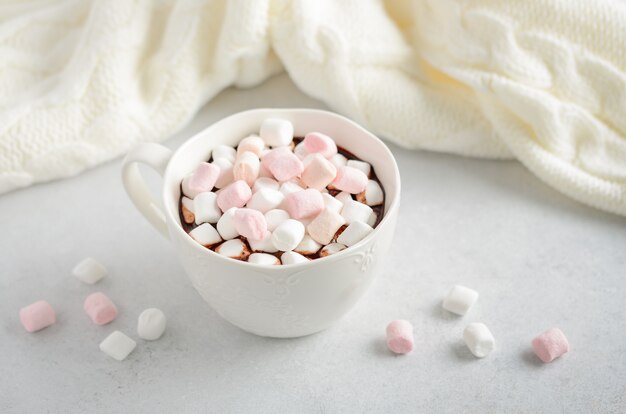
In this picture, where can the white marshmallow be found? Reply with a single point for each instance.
(276, 132)
(89, 270)
(264, 245)
(226, 172)
(224, 151)
(205, 234)
(265, 182)
(151, 324)
(226, 226)
(300, 151)
(205, 208)
(185, 186)
(372, 219)
(479, 339)
(288, 235)
(263, 259)
(233, 248)
(117, 345)
(372, 195)
(289, 187)
(344, 197)
(265, 200)
(323, 228)
(354, 211)
(252, 143)
(247, 167)
(460, 299)
(307, 246)
(331, 249)
(360, 165)
(332, 203)
(188, 203)
(290, 257)
(338, 160)
(354, 233)
(274, 217)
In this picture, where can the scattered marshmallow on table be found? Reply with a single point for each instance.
(100, 308)
(263, 259)
(354, 233)
(460, 299)
(288, 235)
(234, 248)
(89, 271)
(205, 208)
(550, 345)
(206, 235)
(250, 223)
(304, 203)
(117, 345)
(479, 339)
(291, 257)
(37, 316)
(235, 194)
(151, 324)
(276, 132)
(400, 336)
(323, 227)
(265, 200)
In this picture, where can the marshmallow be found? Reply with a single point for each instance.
(344, 197)
(234, 248)
(372, 195)
(206, 235)
(479, 339)
(283, 164)
(288, 258)
(300, 151)
(206, 209)
(354, 233)
(263, 259)
(187, 209)
(550, 345)
(400, 336)
(372, 219)
(265, 200)
(235, 194)
(151, 324)
(318, 172)
(360, 165)
(265, 182)
(354, 211)
(332, 203)
(350, 179)
(339, 160)
(201, 180)
(331, 248)
(276, 132)
(117, 345)
(264, 245)
(37, 316)
(289, 187)
(250, 223)
(89, 271)
(275, 217)
(226, 172)
(253, 143)
(224, 152)
(100, 308)
(247, 167)
(226, 225)
(288, 235)
(307, 246)
(323, 228)
(316, 142)
(460, 299)
(305, 203)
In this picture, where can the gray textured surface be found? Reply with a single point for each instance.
(537, 259)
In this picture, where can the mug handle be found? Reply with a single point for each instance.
(155, 156)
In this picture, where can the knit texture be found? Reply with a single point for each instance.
(543, 81)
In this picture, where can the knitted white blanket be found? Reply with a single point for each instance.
(543, 81)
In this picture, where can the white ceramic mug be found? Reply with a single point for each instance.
(277, 301)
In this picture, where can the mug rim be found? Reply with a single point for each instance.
(393, 205)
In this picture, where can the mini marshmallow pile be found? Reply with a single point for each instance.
(479, 340)
(270, 198)
(101, 310)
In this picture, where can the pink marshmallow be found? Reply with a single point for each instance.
(324, 227)
(100, 308)
(550, 345)
(235, 194)
(350, 180)
(37, 316)
(315, 142)
(318, 172)
(253, 144)
(400, 336)
(283, 164)
(247, 168)
(250, 223)
(204, 178)
(305, 203)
